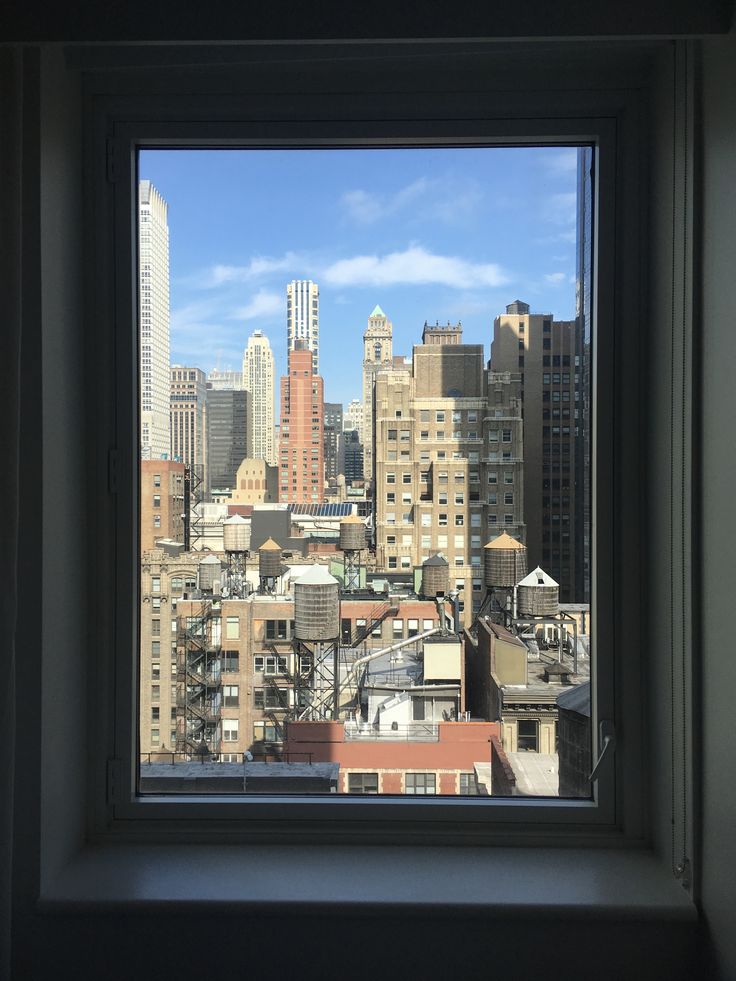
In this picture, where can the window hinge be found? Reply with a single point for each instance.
(112, 174)
(112, 471)
(606, 744)
(114, 773)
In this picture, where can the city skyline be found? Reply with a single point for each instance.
(436, 235)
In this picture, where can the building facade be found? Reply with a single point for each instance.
(332, 433)
(353, 416)
(256, 482)
(258, 380)
(162, 501)
(226, 380)
(153, 245)
(188, 396)
(448, 462)
(301, 441)
(302, 317)
(543, 351)
(350, 456)
(227, 414)
(377, 355)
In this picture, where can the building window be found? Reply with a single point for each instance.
(362, 783)
(230, 730)
(276, 629)
(230, 696)
(420, 783)
(467, 785)
(527, 739)
(232, 628)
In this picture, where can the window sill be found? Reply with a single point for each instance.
(590, 883)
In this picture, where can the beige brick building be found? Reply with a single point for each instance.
(377, 355)
(241, 693)
(448, 459)
(542, 350)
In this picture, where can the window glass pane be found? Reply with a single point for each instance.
(453, 462)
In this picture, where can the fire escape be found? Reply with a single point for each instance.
(198, 684)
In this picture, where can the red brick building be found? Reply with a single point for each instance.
(442, 761)
(301, 447)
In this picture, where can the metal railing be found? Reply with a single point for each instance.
(419, 732)
(265, 756)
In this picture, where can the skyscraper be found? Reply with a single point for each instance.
(302, 317)
(332, 432)
(227, 437)
(542, 350)
(377, 354)
(301, 450)
(153, 245)
(188, 393)
(259, 381)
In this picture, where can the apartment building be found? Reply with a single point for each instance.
(543, 351)
(448, 460)
(301, 441)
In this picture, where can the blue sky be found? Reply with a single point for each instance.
(435, 235)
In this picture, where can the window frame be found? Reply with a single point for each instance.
(121, 123)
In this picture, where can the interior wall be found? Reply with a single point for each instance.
(718, 470)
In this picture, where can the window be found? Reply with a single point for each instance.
(231, 696)
(226, 631)
(230, 730)
(420, 783)
(276, 629)
(467, 784)
(362, 783)
(528, 736)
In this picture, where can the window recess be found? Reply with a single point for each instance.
(605, 121)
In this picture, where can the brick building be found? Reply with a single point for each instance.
(301, 442)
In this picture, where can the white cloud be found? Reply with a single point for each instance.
(264, 304)
(555, 278)
(441, 199)
(561, 162)
(258, 267)
(413, 266)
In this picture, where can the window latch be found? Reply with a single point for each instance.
(606, 743)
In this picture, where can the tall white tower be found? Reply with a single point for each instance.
(302, 317)
(153, 245)
(258, 379)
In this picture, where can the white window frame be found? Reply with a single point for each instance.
(557, 116)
